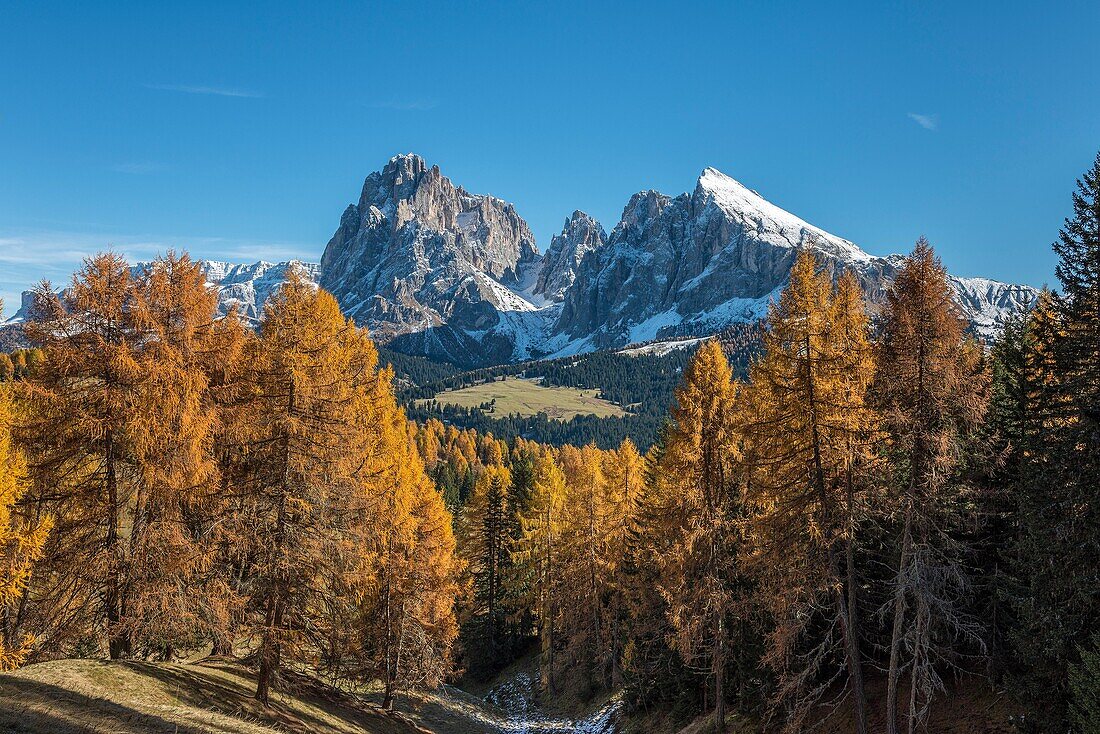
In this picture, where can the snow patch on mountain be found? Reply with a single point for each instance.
(661, 348)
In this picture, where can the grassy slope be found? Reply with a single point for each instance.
(527, 397)
(209, 697)
(214, 696)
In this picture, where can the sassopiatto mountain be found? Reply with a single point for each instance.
(434, 270)
(689, 265)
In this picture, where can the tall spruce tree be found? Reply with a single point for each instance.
(1059, 545)
(1084, 687)
(485, 530)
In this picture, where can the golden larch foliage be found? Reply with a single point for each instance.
(810, 433)
(21, 541)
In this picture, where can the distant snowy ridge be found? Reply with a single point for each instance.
(244, 286)
(247, 287)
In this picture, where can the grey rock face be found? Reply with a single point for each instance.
(419, 255)
(580, 235)
(693, 264)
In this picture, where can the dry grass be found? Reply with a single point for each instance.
(212, 696)
(528, 397)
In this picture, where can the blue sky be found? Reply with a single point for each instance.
(242, 132)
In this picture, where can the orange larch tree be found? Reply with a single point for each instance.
(80, 445)
(173, 597)
(932, 389)
(293, 469)
(703, 584)
(21, 541)
(810, 435)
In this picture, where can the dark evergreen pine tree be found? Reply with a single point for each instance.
(1084, 683)
(1059, 543)
(487, 640)
(1008, 437)
(517, 577)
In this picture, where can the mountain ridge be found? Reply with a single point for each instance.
(434, 270)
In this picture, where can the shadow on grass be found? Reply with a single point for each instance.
(40, 708)
(199, 686)
(220, 688)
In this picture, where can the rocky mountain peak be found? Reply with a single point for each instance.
(642, 208)
(419, 254)
(432, 269)
(692, 264)
(580, 235)
(765, 220)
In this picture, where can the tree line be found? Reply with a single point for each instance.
(642, 383)
(171, 481)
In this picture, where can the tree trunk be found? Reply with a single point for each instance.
(116, 643)
(387, 699)
(851, 650)
(269, 650)
(855, 656)
(223, 647)
(914, 676)
(720, 680)
(895, 637)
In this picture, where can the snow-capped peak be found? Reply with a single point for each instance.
(774, 224)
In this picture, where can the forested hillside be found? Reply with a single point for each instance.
(843, 527)
(641, 382)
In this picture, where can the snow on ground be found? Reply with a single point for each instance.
(528, 277)
(560, 345)
(988, 302)
(508, 299)
(660, 349)
(526, 329)
(738, 310)
(519, 714)
(526, 324)
(647, 330)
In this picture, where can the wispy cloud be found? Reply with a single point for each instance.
(137, 167)
(200, 89)
(928, 122)
(407, 105)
